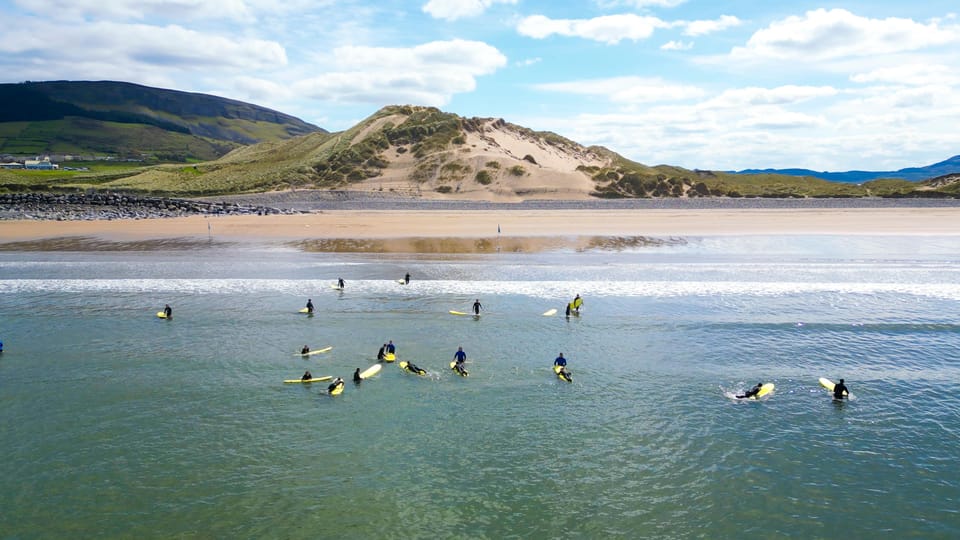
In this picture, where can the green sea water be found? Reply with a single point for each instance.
(116, 424)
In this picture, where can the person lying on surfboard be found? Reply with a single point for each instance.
(413, 368)
(333, 386)
(306, 376)
(840, 390)
(752, 392)
(356, 376)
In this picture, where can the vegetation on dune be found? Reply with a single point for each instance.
(429, 148)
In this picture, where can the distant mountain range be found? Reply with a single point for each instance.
(913, 174)
(126, 120)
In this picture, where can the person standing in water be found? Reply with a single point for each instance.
(305, 350)
(391, 348)
(840, 390)
(168, 311)
(406, 279)
(459, 358)
(577, 302)
(340, 282)
(381, 353)
(477, 307)
(356, 376)
(309, 305)
(306, 376)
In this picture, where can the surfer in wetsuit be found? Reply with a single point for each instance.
(413, 368)
(380, 353)
(168, 311)
(562, 362)
(306, 376)
(477, 307)
(333, 386)
(752, 392)
(406, 279)
(459, 357)
(356, 376)
(309, 305)
(340, 282)
(577, 302)
(568, 310)
(391, 348)
(840, 390)
(304, 350)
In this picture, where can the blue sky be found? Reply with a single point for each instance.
(871, 85)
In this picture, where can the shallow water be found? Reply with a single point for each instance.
(115, 423)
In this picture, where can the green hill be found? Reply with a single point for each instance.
(124, 120)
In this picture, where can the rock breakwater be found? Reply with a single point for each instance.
(95, 206)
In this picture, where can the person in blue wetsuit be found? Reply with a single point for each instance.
(560, 361)
(391, 348)
(459, 357)
(1, 345)
(751, 392)
(840, 390)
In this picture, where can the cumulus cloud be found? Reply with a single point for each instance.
(626, 90)
(237, 10)
(910, 74)
(134, 47)
(702, 28)
(837, 33)
(640, 4)
(677, 46)
(458, 9)
(609, 29)
(781, 95)
(428, 74)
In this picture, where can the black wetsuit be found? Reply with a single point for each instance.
(406, 279)
(752, 392)
(380, 354)
(309, 306)
(356, 376)
(839, 391)
(168, 311)
(476, 308)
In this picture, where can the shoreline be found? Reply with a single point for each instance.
(495, 224)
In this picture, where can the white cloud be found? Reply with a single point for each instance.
(677, 46)
(134, 47)
(237, 10)
(609, 29)
(428, 74)
(528, 62)
(702, 28)
(829, 34)
(910, 74)
(458, 9)
(782, 95)
(626, 90)
(640, 4)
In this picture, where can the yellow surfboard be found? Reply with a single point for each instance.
(452, 312)
(389, 357)
(161, 314)
(315, 379)
(337, 390)
(370, 371)
(453, 366)
(568, 378)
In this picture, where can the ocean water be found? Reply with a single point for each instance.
(116, 424)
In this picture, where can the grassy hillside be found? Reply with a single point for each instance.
(422, 150)
(130, 121)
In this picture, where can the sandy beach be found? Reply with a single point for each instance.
(360, 225)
